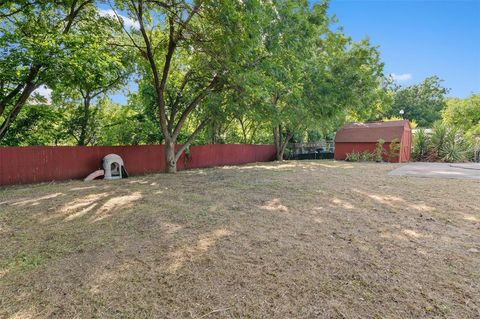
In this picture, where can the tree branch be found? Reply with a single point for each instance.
(11, 13)
(158, 83)
(120, 21)
(9, 97)
(191, 138)
(193, 105)
(184, 24)
(73, 14)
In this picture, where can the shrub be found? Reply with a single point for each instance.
(445, 144)
(379, 151)
(456, 147)
(352, 157)
(394, 149)
(366, 156)
(420, 143)
(437, 141)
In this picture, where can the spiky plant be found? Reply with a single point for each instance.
(421, 144)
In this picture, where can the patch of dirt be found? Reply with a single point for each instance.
(307, 239)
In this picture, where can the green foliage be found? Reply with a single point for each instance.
(312, 76)
(421, 103)
(24, 261)
(366, 156)
(394, 149)
(314, 135)
(37, 124)
(444, 144)
(438, 140)
(420, 147)
(35, 38)
(352, 157)
(463, 114)
(207, 72)
(379, 150)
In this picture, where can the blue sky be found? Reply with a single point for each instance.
(420, 38)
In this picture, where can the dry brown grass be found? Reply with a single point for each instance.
(275, 240)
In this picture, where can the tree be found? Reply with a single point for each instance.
(189, 49)
(421, 102)
(32, 37)
(37, 124)
(95, 67)
(290, 42)
(463, 114)
(312, 76)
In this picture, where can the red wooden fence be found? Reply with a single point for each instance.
(33, 164)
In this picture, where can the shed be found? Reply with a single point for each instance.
(360, 137)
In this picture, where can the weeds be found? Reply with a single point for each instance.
(24, 261)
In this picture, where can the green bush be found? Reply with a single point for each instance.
(352, 157)
(379, 150)
(444, 144)
(420, 143)
(366, 156)
(394, 149)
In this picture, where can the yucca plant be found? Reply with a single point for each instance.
(421, 144)
(453, 152)
(445, 144)
(438, 139)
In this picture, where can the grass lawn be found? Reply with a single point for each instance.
(317, 239)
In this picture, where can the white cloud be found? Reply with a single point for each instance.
(401, 77)
(128, 22)
(45, 92)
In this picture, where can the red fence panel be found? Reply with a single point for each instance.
(33, 164)
(229, 154)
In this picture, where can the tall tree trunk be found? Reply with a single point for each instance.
(280, 144)
(160, 82)
(244, 130)
(85, 120)
(283, 147)
(277, 141)
(170, 158)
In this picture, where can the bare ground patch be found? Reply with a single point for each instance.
(302, 239)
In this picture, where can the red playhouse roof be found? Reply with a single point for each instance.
(372, 131)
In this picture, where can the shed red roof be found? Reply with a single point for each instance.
(372, 131)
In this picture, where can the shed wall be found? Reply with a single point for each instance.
(341, 150)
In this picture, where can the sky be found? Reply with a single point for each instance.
(420, 38)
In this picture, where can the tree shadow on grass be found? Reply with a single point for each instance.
(255, 241)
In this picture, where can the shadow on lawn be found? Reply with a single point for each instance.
(243, 237)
